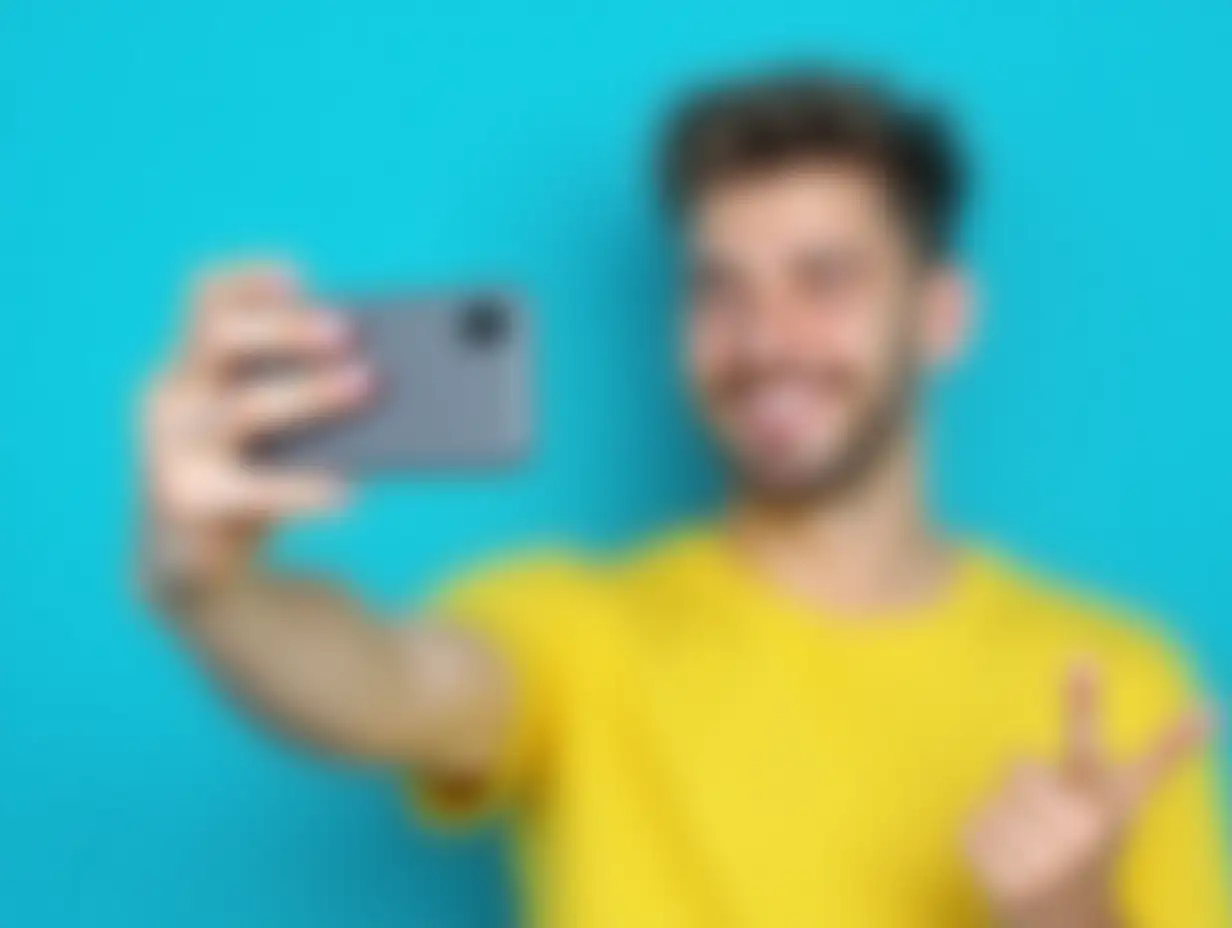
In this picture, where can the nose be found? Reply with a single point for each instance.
(766, 337)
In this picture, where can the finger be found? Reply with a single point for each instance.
(1063, 818)
(240, 336)
(1179, 741)
(283, 402)
(180, 416)
(251, 283)
(1083, 748)
(262, 495)
(244, 311)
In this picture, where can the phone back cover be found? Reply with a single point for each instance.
(443, 398)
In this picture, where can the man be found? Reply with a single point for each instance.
(815, 710)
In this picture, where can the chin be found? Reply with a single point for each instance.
(784, 482)
(816, 465)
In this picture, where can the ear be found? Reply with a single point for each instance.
(948, 316)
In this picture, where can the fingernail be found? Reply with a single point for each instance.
(332, 330)
(355, 381)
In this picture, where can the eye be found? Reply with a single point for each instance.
(713, 286)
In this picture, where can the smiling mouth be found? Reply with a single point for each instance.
(777, 409)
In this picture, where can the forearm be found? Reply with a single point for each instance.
(306, 658)
(302, 655)
(318, 666)
(299, 653)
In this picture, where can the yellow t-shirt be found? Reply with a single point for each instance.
(695, 748)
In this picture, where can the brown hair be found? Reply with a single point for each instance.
(774, 122)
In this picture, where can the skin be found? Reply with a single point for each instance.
(303, 655)
(812, 320)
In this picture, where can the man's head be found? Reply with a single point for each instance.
(818, 213)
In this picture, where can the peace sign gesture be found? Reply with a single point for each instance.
(1042, 849)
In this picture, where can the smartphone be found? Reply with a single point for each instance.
(451, 388)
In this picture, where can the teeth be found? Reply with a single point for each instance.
(774, 406)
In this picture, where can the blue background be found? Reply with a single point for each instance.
(385, 141)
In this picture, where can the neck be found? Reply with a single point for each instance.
(870, 547)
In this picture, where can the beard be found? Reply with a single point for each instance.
(877, 428)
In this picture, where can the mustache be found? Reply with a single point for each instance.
(739, 381)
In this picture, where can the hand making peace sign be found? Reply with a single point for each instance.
(1043, 848)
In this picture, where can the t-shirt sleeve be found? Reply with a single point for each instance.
(1176, 869)
(525, 611)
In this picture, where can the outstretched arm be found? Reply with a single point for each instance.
(301, 654)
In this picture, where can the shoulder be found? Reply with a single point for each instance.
(576, 583)
(545, 576)
(1052, 617)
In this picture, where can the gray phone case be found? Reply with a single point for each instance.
(452, 389)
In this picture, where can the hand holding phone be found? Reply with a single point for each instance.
(275, 399)
(451, 385)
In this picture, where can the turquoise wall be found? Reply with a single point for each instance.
(385, 141)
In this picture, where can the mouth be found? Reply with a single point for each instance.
(777, 410)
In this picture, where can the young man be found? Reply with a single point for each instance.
(816, 710)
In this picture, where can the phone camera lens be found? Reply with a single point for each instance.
(484, 323)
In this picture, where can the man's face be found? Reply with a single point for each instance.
(811, 319)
